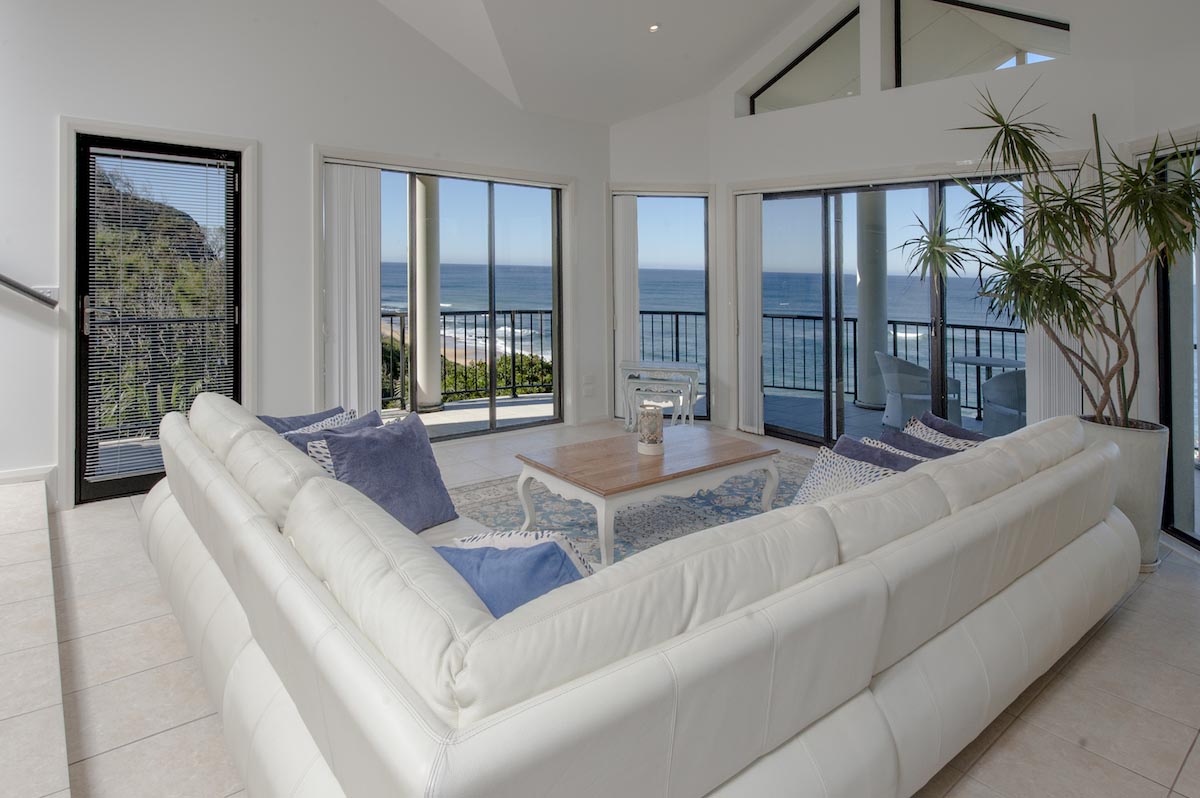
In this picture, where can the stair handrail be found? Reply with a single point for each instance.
(21, 288)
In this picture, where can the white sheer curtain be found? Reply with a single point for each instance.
(351, 288)
(749, 291)
(625, 288)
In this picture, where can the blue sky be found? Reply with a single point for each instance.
(524, 216)
(792, 229)
(671, 232)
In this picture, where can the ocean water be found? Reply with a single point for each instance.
(464, 289)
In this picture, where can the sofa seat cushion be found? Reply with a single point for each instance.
(640, 602)
(446, 534)
(406, 599)
(218, 422)
(270, 470)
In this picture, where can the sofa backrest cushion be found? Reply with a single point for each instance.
(215, 505)
(271, 470)
(406, 599)
(939, 574)
(219, 421)
(876, 514)
(974, 474)
(640, 602)
(1042, 445)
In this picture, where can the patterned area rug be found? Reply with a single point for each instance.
(639, 526)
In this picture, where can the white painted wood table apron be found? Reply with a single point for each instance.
(607, 506)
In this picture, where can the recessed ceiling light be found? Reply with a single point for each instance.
(654, 28)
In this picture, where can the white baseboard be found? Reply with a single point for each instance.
(34, 474)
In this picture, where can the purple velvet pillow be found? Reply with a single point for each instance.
(865, 453)
(393, 465)
(910, 443)
(282, 424)
(948, 428)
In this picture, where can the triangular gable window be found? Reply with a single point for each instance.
(827, 70)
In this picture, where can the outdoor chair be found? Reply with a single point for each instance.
(909, 393)
(1004, 403)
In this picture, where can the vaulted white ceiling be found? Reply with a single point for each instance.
(596, 60)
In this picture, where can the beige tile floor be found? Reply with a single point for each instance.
(1117, 717)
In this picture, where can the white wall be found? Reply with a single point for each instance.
(1133, 63)
(289, 74)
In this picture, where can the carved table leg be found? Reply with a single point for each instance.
(523, 483)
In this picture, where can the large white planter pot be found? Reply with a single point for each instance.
(1141, 478)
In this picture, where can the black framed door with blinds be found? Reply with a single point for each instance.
(158, 250)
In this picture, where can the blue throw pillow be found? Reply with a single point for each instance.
(301, 439)
(282, 424)
(394, 466)
(948, 428)
(507, 578)
(911, 443)
(857, 450)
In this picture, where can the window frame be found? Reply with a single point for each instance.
(83, 145)
(829, 34)
(1020, 16)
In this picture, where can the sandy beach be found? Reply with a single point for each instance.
(454, 351)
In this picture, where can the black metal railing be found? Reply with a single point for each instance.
(524, 354)
(794, 353)
(793, 350)
(680, 336)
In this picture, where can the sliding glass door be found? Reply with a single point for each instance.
(469, 288)
(853, 341)
(525, 280)
(799, 333)
(661, 256)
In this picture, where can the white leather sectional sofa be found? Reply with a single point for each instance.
(849, 648)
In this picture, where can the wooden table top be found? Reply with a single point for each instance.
(612, 465)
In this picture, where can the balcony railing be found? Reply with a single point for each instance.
(793, 351)
(529, 334)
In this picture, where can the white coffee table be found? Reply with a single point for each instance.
(610, 474)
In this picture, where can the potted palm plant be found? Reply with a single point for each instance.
(1049, 245)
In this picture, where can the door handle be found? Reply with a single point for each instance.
(91, 313)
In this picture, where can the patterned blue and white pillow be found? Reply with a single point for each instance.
(832, 474)
(918, 430)
(522, 540)
(338, 420)
(318, 450)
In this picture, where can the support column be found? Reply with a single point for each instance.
(872, 297)
(427, 295)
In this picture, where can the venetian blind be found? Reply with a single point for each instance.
(160, 308)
